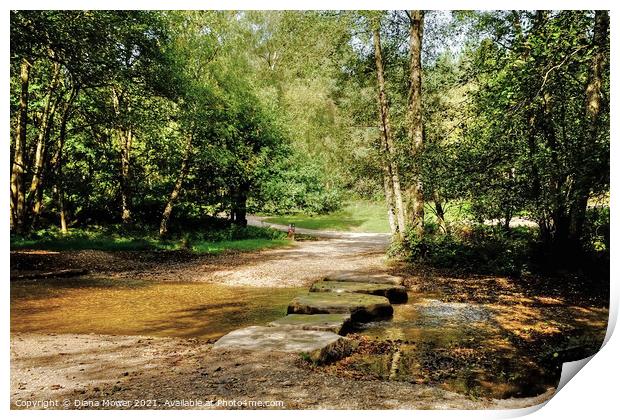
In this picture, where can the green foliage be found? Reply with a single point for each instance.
(482, 250)
(234, 233)
(305, 357)
(204, 247)
(228, 112)
(532, 146)
(132, 97)
(81, 239)
(296, 185)
(485, 249)
(597, 229)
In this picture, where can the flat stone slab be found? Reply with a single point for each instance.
(319, 346)
(363, 308)
(395, 294)
(336, 323)
(357, 277)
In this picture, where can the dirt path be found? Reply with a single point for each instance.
(380, 239)
(306, 262)
(295, 266)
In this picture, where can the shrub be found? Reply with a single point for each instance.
(596, 229)
(298, 186)
(234, 232)
(482, 249)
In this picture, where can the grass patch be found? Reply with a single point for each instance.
(111, 239)
(367, 216)
(357, 216)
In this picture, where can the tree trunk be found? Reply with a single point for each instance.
(35, 193)
(176, 190)
(126, 142)
(61, 209)
(414, 120)
(18, 187)
(389, 196)
(57, 162)
(595, 76)
(125, 138)
(242, 200)
(507, 219)
(395, 206)
(439, 212)
(239, 205)
(399, 206)
(59, 193)
(594, 87)
(561, 232)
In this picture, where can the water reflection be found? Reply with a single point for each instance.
(121, 307)
(430, 319)
(462, 347)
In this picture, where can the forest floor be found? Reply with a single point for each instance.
(521, 318)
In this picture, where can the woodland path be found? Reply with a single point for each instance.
(308, 260)
(298, 265)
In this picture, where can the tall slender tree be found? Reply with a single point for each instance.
(414, 120)
(393, 194)
(593, 104)
(176, 190)
(40, 164)
(18, 182)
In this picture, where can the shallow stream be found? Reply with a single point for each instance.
(462, 347)
(109, 306)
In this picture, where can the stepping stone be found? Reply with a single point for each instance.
(395, 294)
(318, 346)
(363, 308)
(364, 278)
(336, 323)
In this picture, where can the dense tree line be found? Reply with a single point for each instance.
(543, 92)
(128, 116)
(512, 117)
(136, 117)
